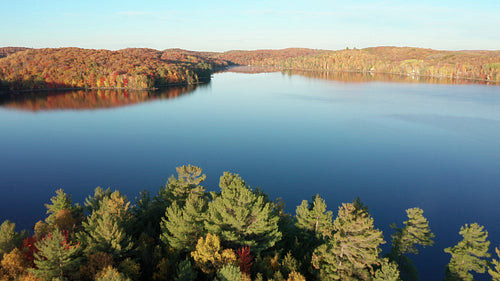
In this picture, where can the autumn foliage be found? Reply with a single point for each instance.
(87, 68)
(245, 259)
(475, 65)
(141, 68)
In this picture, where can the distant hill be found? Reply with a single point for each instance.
(142, 68)
(476, 65)
(5, 51)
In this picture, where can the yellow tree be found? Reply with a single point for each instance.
(209, 256)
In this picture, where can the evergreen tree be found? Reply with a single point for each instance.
(468, 255)
(185, 271)
(94, 202)
(495, 270)
(241, 217)
(150, 211)
(183, 226)
(9, 238)
(188, 181)
(106, 229)
(415, 232)
(56, 257)
(353, 250)
(388, 271)
(314, 217)
(229, 273)
(59, 208)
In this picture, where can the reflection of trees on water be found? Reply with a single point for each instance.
(88, 99)
(362, 77)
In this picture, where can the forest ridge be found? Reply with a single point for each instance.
(142, 68)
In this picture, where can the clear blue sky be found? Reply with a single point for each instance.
(270, 24)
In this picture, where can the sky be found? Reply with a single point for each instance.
(248, 25)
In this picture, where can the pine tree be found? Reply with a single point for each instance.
(229, 273)
(241, 217)
(9, 238)
(388, 271)
(57, 211)
(185, 271)
(415, 232)
(56, 256)
(468, 255)
(188, 181)
(181, 227)
(106, 229)
(94, 202)
(354, 248)
(314, 217)
(495, 270)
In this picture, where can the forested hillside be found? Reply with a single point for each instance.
(477, 65)
(85, 68)
(22, 68)
(238, 233)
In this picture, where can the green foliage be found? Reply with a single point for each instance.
(106, 228)
(241, 217)
(468, 255)
(59, 202)
(111, 274)
(185, 271)
(415, 232)
(229, 272)
(183, 226)
(9, 238)
(353, 249)
(94, 202)
(56, 258)
(347, 249)
(314, 217)
(289, 264)
(62, 213)
(130, 268)
(187, 182)
(388, 271)
(494, 271)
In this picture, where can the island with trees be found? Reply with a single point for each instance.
(183, 232)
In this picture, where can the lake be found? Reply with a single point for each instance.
(397, 145)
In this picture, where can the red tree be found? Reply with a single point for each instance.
(245, 259)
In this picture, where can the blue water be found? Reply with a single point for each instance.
(396, 145)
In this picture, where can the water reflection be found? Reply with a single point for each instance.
(88, 99)
(360, 77)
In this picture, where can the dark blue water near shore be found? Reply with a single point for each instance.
(396, 145)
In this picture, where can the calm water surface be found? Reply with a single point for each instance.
(396, 145)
